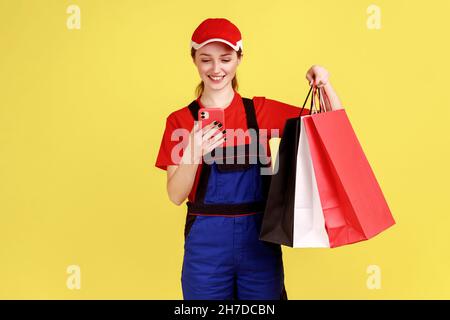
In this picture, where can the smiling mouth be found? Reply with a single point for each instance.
(216, 79)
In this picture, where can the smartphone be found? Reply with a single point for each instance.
(208, 115)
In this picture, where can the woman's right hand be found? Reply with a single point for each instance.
(180, 178)
(202, 141)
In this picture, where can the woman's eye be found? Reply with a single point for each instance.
(222, 60)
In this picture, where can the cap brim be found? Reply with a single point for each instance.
(197, 46)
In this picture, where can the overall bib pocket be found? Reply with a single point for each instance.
(233, 184)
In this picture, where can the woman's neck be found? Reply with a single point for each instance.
(217, 99)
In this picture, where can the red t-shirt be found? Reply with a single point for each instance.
(270, 114)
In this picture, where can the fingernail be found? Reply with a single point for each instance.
(224, 131)
(224, 139)
(220, 125)
(215, 122)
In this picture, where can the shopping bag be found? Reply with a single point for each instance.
(335, 199)
(309, 222)
(278, 220)
(352, 201)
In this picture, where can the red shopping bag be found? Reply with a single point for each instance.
(353, 204)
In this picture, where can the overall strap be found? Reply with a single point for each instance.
(194, 107)
(250, 114)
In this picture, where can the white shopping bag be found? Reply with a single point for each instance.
(309, 221)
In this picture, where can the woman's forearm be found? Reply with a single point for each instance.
(201, 141)
(180, 183)
(332, 96)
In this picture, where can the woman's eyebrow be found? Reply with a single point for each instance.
(225, 54)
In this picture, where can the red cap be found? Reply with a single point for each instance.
(216, 29)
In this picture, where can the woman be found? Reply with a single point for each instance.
(224, 259)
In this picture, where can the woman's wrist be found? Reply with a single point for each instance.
(335, 102)
(190, 157)
(328, 88)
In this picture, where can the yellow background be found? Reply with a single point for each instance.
(82, 113)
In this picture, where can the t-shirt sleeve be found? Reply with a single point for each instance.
(172, 144)
(272, 114)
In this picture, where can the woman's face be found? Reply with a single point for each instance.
(216, 59)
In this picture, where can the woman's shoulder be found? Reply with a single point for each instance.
(258, 101)
(262, 102)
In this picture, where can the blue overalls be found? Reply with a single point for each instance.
(224, 258)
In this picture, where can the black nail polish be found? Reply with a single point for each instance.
(224, 131)
(215, 122)
(220, 125)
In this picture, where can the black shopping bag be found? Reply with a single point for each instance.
(278, 220)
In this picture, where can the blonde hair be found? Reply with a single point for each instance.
(201, 85)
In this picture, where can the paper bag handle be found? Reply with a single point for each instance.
(312, 104)
(325, 103)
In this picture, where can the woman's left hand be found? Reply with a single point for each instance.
(317, 75)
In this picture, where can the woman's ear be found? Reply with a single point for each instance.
(240, 59)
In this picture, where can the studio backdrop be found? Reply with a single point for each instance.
(86, 88)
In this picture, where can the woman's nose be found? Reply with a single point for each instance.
(216, 67)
